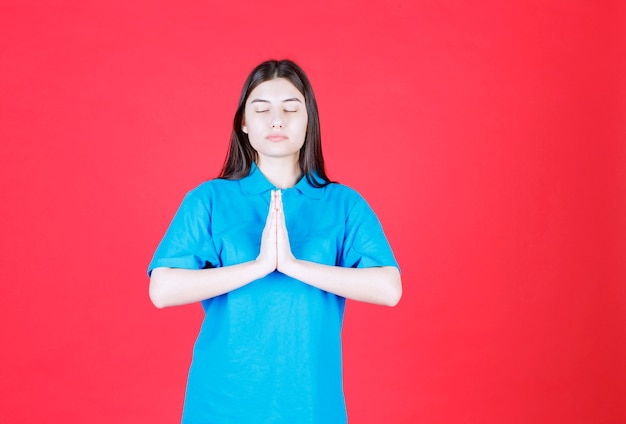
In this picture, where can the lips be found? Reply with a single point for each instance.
(276, 137)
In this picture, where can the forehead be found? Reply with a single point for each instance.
(277, 89)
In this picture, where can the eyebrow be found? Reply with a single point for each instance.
(292, 99)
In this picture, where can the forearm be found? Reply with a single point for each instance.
(177, 286)
(379, 285)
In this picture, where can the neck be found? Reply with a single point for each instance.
(281, 172)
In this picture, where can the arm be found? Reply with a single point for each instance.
(379, 285)
(178, 286)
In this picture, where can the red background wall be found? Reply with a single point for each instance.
(489, 136)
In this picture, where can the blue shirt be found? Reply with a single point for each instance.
(270, 351)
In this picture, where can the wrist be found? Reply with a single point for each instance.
(289, 267)
(261, 267)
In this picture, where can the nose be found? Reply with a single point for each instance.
(278, 121)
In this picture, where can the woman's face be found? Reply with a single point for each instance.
(275, 119)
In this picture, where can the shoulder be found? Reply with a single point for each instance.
(210, 187)
(337, 190)
(340, 194)
(207, 191)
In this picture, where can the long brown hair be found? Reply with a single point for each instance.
(241, 155)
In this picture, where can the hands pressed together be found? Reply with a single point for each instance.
(275, 253)
(176, 286)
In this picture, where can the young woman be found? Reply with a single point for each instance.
(272, 249)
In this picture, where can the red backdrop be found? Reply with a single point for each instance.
(489, 136)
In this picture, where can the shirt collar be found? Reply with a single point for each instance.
(256, 183)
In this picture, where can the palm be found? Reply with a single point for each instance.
(283, 248)
(275, 250)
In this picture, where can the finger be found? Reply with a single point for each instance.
(274, 209)
(279, 200)
(280, 215)
(271, 208)
(279, 205)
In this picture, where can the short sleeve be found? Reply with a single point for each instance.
(187, 242)
(365, 243)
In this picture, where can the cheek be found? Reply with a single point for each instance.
(253, 125)
(254, 138)
(302, 127)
